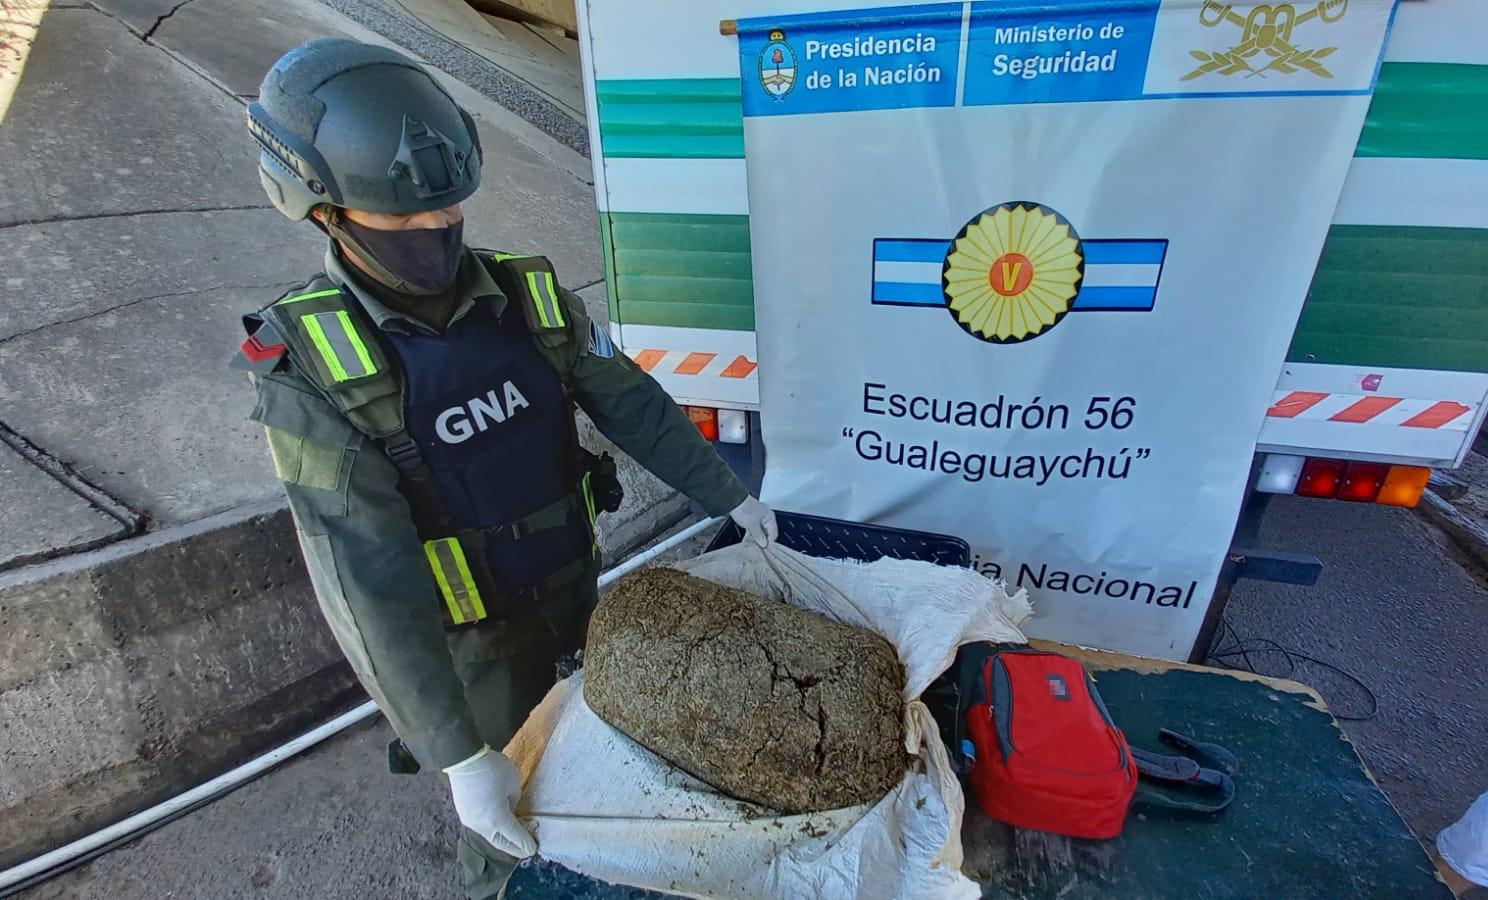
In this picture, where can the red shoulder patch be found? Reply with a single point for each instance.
(257, 352)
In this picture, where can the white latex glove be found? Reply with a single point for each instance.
(757, 520)
(486, 788)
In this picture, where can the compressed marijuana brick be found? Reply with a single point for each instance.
(763, 701)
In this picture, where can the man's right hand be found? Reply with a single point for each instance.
(486, 788)
(757, 521)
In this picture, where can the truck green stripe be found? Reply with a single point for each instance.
(1419, 110)
(671, 118)
(1402, 297)
(691, 271)
(1436, 110)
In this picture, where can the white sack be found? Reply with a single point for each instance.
(1464, 843)
(606, 807)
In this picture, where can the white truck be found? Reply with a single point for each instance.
(1387, 373)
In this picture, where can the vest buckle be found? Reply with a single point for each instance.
(404, 454)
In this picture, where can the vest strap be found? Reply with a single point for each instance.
(451, 558)
(561, 577)
(555, 515)
(417, 483)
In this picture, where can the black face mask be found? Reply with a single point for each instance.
(421, 261)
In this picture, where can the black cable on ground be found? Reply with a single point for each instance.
(1231, 651)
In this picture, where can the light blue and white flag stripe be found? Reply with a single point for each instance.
(1119, 274)
(907, 272)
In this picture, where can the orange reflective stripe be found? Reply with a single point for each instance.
(647, 359)
(694, 363)
(740, 368)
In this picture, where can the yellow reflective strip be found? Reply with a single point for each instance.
(310, 296)
(472, 590)
(552, 298)
(368, 368)
(503, 257)
(593, 516)
(336, 337)
(318, 338)
(589, 498)
(537, 300)
(460, 593)
(545, 294)
(456, 614)
(446, 551)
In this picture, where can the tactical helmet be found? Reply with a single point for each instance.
(356, 125)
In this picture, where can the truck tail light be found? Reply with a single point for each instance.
(1404, 485)
(733, 426)
(1320, 478)
(1280, 473)
(1337, 479)
(1362, 481)
(705, 419)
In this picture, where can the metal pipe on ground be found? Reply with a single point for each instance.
(55, 862)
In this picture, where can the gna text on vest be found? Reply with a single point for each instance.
(460, 423)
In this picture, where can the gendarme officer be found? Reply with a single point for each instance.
(418, 399)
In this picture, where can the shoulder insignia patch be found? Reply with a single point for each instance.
(599, 342)
(262, 351)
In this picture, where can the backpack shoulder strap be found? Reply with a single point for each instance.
(1177, 782)
(338, 349)
(531, 283)
(1186, 782)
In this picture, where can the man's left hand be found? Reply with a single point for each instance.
(757, 520)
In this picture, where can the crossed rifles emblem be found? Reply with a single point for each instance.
(1267, 29)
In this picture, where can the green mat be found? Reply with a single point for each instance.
(1307, 821)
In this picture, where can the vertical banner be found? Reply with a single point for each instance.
(1025, 273)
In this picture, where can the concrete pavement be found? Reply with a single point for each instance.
(148, 558)
(330, 824)
(71, 519)
(164, 237)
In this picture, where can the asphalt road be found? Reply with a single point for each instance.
(1394, 606)
(1397, 608)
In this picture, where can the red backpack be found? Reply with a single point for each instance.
(1047, 755)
